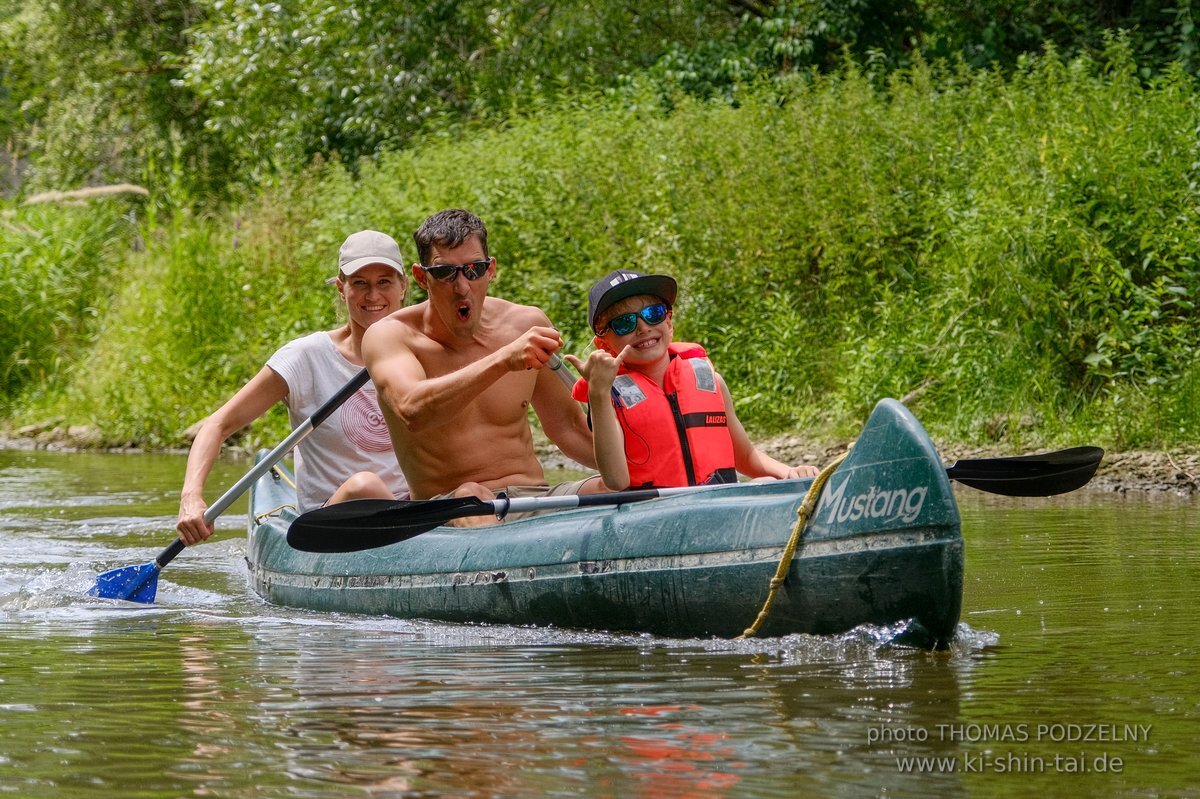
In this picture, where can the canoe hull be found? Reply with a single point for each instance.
(884, 546)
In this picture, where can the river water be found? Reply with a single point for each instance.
(1075, 673)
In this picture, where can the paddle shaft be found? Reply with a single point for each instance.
(273, 457)
(556, 365)
(1000, 469)
(369, 523)
(1035, 473)
(1037, 469)
(502, 506)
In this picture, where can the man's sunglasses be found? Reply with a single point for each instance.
(448, 272)
(626, 323)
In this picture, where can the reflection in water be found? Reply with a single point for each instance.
(437, 711)
(1074, 613)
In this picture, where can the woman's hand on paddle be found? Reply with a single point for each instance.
(600, 368)
(191, 526)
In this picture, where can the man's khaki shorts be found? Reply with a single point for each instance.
(522, 492)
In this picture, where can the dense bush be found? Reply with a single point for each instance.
(56, 269)
(1014, 254)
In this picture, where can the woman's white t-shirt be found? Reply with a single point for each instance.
(354, 438)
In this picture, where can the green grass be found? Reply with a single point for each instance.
(1017, 254)
(55, 267)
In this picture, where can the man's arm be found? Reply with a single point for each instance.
(563, 419)
(421, 402)
(394, 368)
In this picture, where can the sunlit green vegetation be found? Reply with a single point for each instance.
(987, 209)
(1014, 254)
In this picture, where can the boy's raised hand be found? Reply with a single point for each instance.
(600, 368)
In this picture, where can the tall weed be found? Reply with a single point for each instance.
(57, 267)
(1013, 255)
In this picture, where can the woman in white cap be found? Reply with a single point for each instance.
(349, 456)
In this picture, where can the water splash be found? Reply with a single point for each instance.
(23, 590)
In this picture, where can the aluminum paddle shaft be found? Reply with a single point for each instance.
(140, 583)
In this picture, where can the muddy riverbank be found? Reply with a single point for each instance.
(1152, 472)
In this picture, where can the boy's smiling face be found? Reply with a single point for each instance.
(648, 343)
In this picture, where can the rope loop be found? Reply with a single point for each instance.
(265, 514)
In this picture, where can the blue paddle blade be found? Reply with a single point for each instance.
(134, 583)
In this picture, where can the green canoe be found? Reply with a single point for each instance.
(884, 546)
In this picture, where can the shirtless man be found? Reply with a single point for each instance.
(457, 373)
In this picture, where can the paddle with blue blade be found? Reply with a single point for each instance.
(140, 583)
(370, 523)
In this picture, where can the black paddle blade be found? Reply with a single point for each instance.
(369, 523)
(1039, 475)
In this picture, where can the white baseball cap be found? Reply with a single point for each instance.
(367, 247)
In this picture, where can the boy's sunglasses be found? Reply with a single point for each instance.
(448, 272)
(626, 323)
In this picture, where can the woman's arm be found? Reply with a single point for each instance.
(250, 402)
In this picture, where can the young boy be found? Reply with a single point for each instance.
(661, 415)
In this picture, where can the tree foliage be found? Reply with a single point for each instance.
(91, 86)
(217, 92)
(287, 80)
(1000, 247)
(774, 39)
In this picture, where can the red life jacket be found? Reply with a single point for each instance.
(676, 435)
